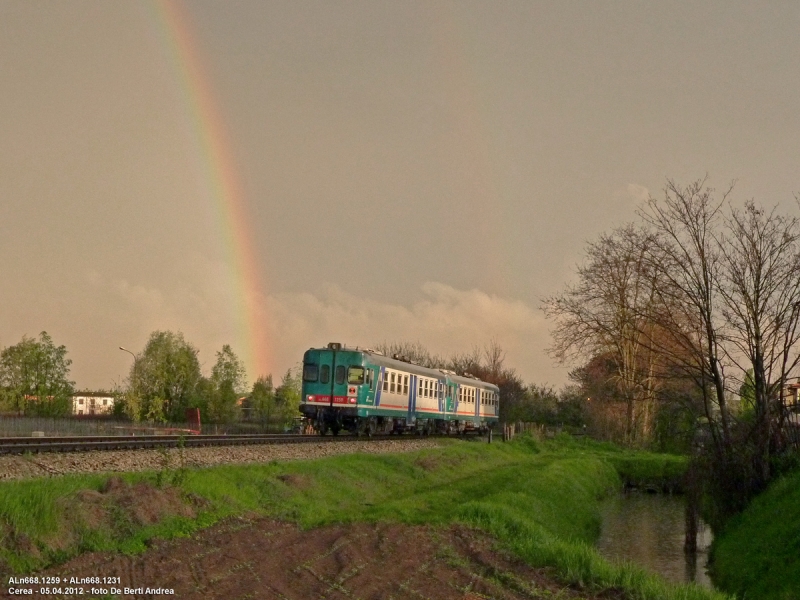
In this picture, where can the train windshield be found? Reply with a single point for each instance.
(355, 375)
(310, 372)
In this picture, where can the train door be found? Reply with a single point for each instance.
(412, 400)
(326, 373)
(333, 375)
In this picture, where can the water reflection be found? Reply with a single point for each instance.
(648, 529)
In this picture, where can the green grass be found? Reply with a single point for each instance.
(758, 553)
(540, 500)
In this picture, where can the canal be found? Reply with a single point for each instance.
(648, 529)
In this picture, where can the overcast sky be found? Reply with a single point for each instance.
(421, 171)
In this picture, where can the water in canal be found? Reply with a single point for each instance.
(648, 529)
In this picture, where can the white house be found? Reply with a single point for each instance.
(92, 403)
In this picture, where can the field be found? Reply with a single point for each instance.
(504, 515)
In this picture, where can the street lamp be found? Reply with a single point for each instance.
(135, 361)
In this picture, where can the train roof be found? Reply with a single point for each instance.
(402, 364)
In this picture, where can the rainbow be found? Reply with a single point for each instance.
(218, 163)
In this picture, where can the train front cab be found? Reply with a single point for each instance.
(332, 382)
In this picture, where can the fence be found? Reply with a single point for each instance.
(537, 430)
(18, 426)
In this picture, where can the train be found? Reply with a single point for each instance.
(362, 391)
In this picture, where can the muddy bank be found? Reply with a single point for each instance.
(263, 558)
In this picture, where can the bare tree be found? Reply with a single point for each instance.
(686, 266)
(414, 352)
(761, 305)
(606, 313)
(707, 291)
(467, 362)
(495, 357)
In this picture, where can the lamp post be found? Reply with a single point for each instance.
(133, 381)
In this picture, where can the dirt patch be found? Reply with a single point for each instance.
(263, 558)
(16, 542)
(296, 480)
(428, 463)
(119, 504)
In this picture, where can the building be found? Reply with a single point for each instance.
(791, 402)
(92, 403)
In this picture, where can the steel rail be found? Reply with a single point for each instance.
(27, 441)
(74, 444)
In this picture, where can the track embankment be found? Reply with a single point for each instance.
(467, 520)
(124, 461)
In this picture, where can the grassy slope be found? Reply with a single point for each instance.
(758, 554)
(542, 505)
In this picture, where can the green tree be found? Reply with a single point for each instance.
(229, 384)
(34, 377)
(262, 400)
(287, 396)
(163, 379)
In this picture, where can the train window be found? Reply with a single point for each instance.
(325, 374)
(405, 385)
(310, 372)
(355, 375)
(424, 388)
(339, 374)
(392, 384)
(385, 381)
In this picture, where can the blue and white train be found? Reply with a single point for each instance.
(364, 392)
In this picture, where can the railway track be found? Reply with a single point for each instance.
(137, 442)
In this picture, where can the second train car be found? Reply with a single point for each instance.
(363, 391)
